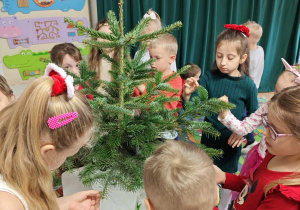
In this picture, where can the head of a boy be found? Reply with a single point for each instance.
(164, 50)
(179, 175)
(6, 93)
(255, 31)
(194, 71)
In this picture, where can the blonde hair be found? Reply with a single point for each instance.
(59, 51)
(255, 30)
(285, 106)
(4, 88)
(167, 42)
(179, 175)
(153, 24)
(23, 127)
(94, 61)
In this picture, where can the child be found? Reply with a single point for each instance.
(256, 67)
(67, 56)
(229, 75)
(47, 124)
(275, 183)
(164, 50)
(179, 175)
(290, 77)
(153, 25)
(95, 62)
(6, 93)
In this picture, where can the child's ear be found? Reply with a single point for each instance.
(172, 58)
(243, 58)
(148, 204)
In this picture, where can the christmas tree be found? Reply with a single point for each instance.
(123, 140)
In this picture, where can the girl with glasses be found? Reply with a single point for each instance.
(275, 184)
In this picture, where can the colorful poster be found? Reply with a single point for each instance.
(26, 6)
(27, 32)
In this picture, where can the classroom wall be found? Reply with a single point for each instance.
(12, 75)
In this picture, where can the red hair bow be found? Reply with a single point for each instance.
(241, 28)
(62, 81)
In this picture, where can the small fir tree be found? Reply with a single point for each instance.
(123, 140)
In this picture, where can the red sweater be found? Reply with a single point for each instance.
(175, 83)
(252, 190)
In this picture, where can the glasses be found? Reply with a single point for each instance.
(272, 131)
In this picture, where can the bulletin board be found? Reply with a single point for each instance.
(30, 28)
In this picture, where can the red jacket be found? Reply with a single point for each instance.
(252, 190)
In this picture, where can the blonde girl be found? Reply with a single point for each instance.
(6, 93)
(95, 61)
(47, 124)
(275, 184)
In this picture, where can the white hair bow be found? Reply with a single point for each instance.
(151, 15)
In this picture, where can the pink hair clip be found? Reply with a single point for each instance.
(61, 120)
(290, 68)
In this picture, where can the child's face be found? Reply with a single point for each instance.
(70, 65)
(105, 29)
(284, 81)
(197, 76)
(56, 158)
(228, 59)
(4, 101)
(163, 60)
(282, 146)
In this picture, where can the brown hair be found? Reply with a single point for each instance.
(179, 175)
(191, 72)
(231, 35)
(22, 164)
(255, 30)
(4, 88)
(94, 61)
(167, 42)
(285, 105)
(59, 51)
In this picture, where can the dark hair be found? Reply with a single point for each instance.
(191, 72)
(4, 87)
(59, 51)
(233, 36)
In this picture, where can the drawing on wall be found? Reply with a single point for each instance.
(31, 64)
(9, 27)
(27, 32)
(26, 6)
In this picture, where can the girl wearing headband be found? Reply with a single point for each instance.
(229, 76)
(47, 124)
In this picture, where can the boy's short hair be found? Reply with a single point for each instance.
(255, 29)
(4, 88)
(191, 72)
(59, 51)
(179, 175)
(165, 41)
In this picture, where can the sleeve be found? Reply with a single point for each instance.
(234, 182)
(176, 84)
(246, 126)
(252, 103)
(204, 81)
(259, 68)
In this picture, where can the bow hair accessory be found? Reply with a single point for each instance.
(62, 81)
(241, 28)
(290, 68)
(150, 15)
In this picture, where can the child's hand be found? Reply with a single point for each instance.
(235, 140)
(85, 200)
(223, 113)
(221, 176)
(189, 87)
(141, 88)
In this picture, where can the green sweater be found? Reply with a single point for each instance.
(240, 91)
